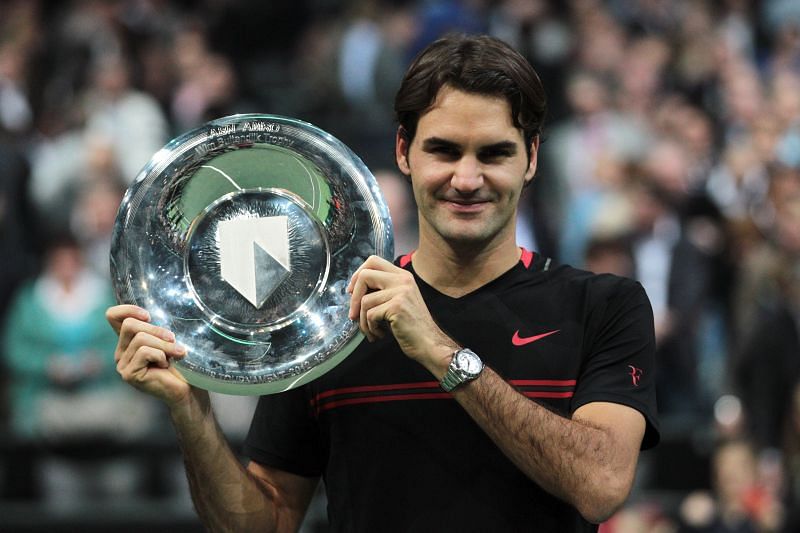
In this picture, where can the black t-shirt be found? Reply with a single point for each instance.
(397, 453)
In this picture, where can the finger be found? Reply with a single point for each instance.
(172, 349)
(363, 323)
(146, 340)
(377, 279)
(376, 320)
(147, 356)
(372, 322)
(377, 262)
(369, 280)
(118, 313)
(139, 370)
(132, 326)
(358, 291)
(135, 334)
(373, 262)
(127, 366)
(369, 302)
(353, 279)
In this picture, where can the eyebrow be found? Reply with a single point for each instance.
(437, 142)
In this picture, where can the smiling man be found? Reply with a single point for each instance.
(497, 392)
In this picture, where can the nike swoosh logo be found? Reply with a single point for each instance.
(516, 340)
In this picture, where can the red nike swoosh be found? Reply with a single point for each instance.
(516, 340)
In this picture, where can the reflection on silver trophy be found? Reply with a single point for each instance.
(241, 236)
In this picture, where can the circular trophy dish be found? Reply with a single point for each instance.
(240, 237)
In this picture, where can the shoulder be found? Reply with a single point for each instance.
(596, 287)
(24, 296)
(601, 299)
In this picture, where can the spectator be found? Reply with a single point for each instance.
(611, 255)
(127, 117)
(738, 502)
(63, 388)
(676, 276)
(767, 367)
(55, 341)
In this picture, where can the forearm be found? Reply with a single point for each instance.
(572, 460)
(226, 496)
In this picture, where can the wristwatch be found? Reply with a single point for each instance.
(464, 366)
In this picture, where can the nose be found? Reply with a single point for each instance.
(467, 175)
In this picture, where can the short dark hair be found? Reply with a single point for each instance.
(475, 64)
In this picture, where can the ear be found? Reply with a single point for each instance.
(531, 171)
(401, 146)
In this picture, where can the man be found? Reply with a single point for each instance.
(547, 372)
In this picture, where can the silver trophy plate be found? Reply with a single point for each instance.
(240, 237)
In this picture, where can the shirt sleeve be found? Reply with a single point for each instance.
(284, 434)
(619, 353)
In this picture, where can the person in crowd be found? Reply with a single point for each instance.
(766, 366)
(54, 342)
(62, 388)
(738, 501)
(675, 274)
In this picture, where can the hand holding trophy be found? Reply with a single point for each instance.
(240, 237)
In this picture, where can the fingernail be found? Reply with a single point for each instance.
(180, 349)
(169, 336)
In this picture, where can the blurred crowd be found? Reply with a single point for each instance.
(671, 155)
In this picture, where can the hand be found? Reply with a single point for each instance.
(63, 371)
(143, 354)
(384, 296)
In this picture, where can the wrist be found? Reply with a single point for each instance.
(192, 408)
(441, 356)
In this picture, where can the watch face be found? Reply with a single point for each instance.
(470, 364)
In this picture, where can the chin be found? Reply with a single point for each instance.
(466, 237)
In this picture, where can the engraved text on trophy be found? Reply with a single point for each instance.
(254, 255)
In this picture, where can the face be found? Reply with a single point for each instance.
(468, 164)
(65, 264)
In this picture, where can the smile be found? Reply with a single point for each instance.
(465, 207)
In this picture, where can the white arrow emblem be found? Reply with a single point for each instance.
(254, 255)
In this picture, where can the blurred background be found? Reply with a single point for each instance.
(671, 155)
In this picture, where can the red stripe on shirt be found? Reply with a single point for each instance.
(544, 382)
(422, 396)
(377, 388)
(389, 398)
(435, 385)
(439, 395)
(548, 394)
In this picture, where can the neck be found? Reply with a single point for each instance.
(458, 270)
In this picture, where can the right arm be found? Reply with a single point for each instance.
(228, 497)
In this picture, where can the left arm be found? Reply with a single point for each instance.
(588, 460)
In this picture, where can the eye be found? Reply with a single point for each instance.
(493, 155)
(449, 152)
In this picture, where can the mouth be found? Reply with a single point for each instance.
(465, 206)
